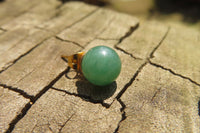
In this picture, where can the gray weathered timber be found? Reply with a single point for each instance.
(36, 70)
(158, 89)
(68, 15)
(159, 101)
(17, 42)
(22, 38)
(180, 52)
(120, 25)
(57, 111)
(34, 16)
(10, 9)
(11, 104)
(145, 39)
(102, 24)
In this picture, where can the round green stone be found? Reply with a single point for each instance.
(101, 65)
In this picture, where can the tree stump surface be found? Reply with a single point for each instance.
(158, 89)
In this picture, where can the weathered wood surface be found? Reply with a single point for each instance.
(158, 89)
(11, 104)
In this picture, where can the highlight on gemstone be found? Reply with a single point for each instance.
(101, 65)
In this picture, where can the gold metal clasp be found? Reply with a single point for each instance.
(74, 61)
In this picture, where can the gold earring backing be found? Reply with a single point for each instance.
(74, 61)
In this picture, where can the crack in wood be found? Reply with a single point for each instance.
(45, 89)
(129, 33)
(132, 80)
(26, 53)
(21, 92)
(123, 114)
(62, 126)
(81, 19)
(18, 117)
(163, 38)
(50, 84)
(34, 99)
(69, 41)
(69, 26)
(21, 56)
(118, 97)
(174, 73)
(86, 98)
(131, 30)
(137, 72)
(125, 52)
(155, 94)
(96, 37)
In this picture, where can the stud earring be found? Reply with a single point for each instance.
(101, 65)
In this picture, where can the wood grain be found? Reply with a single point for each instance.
(156, 91)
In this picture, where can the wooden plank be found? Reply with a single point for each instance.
(85, 31)
(11, 104)
(69, 14)
(100, 24)
(19, 41)
(120, 25)
(106, 94)
(57, 112)
(180, 52)
(142, 42)
(9, 9)
(157, 90)
(10, 38)
(159, 101)
(36, 70)
(35, 16)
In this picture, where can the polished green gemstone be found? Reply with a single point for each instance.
(101, 65)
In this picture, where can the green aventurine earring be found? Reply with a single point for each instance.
(101, 65)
